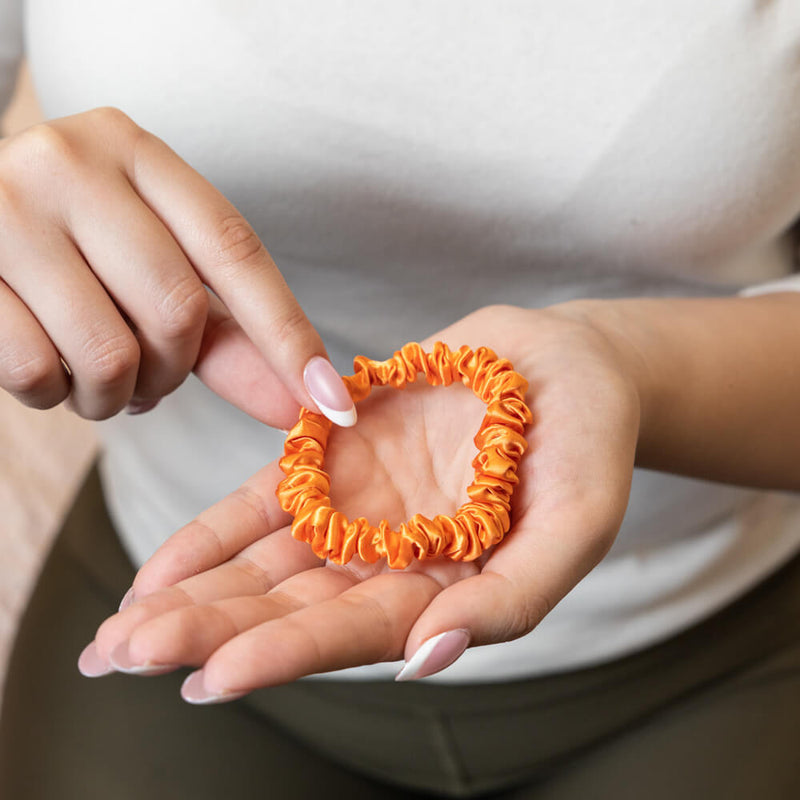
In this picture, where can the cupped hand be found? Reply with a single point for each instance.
(109, 244)
(233, 593)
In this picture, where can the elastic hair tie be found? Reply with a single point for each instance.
(476, 526)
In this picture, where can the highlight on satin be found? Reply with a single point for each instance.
(480, 523)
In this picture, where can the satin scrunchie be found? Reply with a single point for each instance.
(476, 526)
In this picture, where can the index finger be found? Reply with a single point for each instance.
(231, 259)
(221, 531)
(363, 625)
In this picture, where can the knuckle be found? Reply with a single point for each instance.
(288, 325)
(114, 127)
(524, 606)
(63, 149)
(49, 146)
(29, 375)
(184, 309)
(238, 244)
(385, 639)
(161, 639)
(110, 360)
(112, 117)
(536, 607)
(255, 504)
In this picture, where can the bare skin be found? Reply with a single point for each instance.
(109, 243)
(703, 387)
(256, 608)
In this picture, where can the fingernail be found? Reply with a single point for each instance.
(91, 665)
(140, 406)
(434, 655)
(328, 391)
(126, 600)
(194, 691)
(122, 662)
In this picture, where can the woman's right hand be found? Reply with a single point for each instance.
(109, 244)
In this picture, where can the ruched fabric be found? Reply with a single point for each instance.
(476, 526)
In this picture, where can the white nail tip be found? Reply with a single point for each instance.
(144, 669)
(214, 699)
(126, 600)
(138, 670)
(345, 419)
(205, 701)
(416, 662)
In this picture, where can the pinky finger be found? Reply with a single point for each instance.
(30, 367)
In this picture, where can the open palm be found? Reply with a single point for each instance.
(234, 593)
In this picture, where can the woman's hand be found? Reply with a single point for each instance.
(108, 242)
(233, 593)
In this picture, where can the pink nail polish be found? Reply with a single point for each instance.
(91, 665)
(122, 662)
(328, 391)
(194, 691)
(435, 654)
(140, 407)
(127, 599)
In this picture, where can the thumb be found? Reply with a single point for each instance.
(231, 365)
(525, 577)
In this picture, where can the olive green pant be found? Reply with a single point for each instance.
(713, 713)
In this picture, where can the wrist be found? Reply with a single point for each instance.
(717, 380)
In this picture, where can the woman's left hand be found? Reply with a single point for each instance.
(233, 593)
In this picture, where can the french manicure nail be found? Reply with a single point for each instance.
(122, 662)
(91, 665)
(328, 391)
(194, 691)
(435, 654)
(140, 407)
(127, 599)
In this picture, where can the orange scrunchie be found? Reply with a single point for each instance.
(477, 525)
